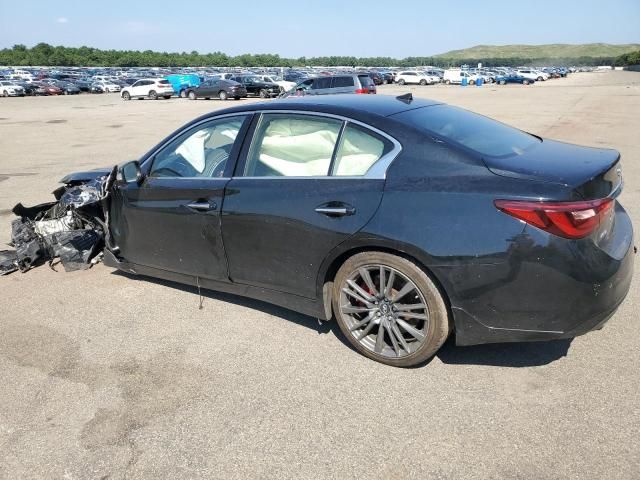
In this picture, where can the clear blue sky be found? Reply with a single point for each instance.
(397, 28)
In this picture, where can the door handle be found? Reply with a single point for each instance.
(202, 206)
(336, 211)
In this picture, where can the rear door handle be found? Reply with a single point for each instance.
(336, 211)
(202, 206)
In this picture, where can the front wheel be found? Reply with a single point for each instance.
(126, 96)
(525, 82)
(423, 82)
(167, 97)
(448, 82)
(222, 95)
(263, 93)
(5, 94)
(191, 95)
(401, 81)
(183, 94)
(502, 82)
(389, 309)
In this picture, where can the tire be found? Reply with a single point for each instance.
(502, 82)
(222, 95)
(5, 94)
(525, 82)
(126, 96)
(448, 82)
(236, 98)
(263, 93)
(540, 79)
(153, 95)
(183, 94)
(401, 81)
(410, 336)
(166, 97)
(191, 95)
(423, 82)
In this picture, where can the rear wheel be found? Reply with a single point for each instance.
(183, 94)
(525, 82)
(5, 94)
(540, 79)
(448, 82)
(126, 96)
(389, 309)
(263, 93)
(153, 95)
(222, 95)
(167, 97)
(423, 82)
(401, 81)
(502, 82)
(191, 95)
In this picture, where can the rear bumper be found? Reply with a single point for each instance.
(546, 290)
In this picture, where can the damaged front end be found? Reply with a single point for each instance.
(73, 229)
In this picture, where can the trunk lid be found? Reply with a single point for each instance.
(590, 172)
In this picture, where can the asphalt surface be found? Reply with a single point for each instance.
(105, 376)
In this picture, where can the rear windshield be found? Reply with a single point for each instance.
(163, 82)
(365, 80)
(476, 132)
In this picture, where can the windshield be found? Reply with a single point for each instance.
(252, 79)
(473, 131)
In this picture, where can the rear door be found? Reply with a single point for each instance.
(303, 185)
(343, 84)
(172, 220)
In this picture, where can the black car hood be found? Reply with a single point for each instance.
(555, 162)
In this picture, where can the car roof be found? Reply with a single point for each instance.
(354, 105)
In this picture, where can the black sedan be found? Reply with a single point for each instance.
(222, 89)
(406, 220)
(257, 87)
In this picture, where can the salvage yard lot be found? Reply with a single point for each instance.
(104, 375)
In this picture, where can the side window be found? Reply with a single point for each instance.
(321, 82)
(201, 152)
(342, 82)
(292, 146)
(305, 85)
(359, 149)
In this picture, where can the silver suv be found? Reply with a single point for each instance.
(351, 83)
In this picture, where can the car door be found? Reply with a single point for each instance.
(206, 89)
(171, 221)
(303, 185)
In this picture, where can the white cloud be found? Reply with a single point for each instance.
(62, 20)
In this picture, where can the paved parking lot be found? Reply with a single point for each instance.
(107, 376)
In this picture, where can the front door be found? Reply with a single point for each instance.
(300, 189)
(172, 220)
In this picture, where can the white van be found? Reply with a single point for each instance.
(455, 76)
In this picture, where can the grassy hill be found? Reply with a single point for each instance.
(557, 50)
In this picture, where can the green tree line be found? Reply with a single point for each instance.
(44, 54)
(632, 58)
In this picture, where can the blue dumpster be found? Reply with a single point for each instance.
(479, 82)
(463, 82)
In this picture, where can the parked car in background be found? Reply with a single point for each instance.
(415, 77)
(257, 87)
(222, 89)
(28, 87)
(531, 74)
(9, 88)
(223, 76)
(182, 83)
(152, 88)
(96, 88)
(108, 86)
(377, 78)
(387, 77)
(513, 78)
(456, 76)
(360, 83)
(67, 88)
(283, 84)
(46, 89)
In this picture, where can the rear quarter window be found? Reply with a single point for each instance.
(342, 82)
(475, 132)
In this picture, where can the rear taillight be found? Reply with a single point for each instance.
(362, 90)
(566, 219)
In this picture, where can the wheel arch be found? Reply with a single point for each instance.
(342, 253)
